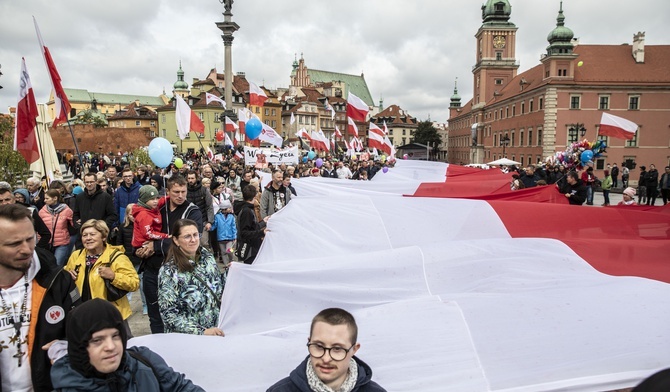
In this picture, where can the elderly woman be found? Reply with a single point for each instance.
(99, 261)
(189, 284)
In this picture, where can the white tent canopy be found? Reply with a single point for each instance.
(503, 161)
(444, 297)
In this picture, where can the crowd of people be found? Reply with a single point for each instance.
(75, 252)
(579, 188)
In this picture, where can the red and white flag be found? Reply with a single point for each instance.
(256, 95)
(237, 138)
(187, 120)
(302, 133)
(243, 115)
(62, 105)
(332, 143)
(337, 132)
(210, 154)
(213, 98)
(271, 136)
(238, 155)
(231, 126)
(375, 137)
(351, 127)
(227, 141)
(25, 137)
(386, 129)
(332, 110)
(292, 121)
(356, 144)
(319, 141)
(617, 127)
(388, 147)
(356, 108)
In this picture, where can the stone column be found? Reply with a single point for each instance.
(228, 27)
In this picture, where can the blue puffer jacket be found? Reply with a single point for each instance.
(297, 380)
(225, 226)
(124, 196)
(132, 376)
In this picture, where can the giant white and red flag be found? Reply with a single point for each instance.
(351, 127)
(617, 127)
(302, 133)
(25, 137)
(61, 103)
(227, 141)
(256, 95)
(187, 120)
(356, 108)
(213, 98)
(319, 141)
(337, 131)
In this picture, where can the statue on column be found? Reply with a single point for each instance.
(227, 4)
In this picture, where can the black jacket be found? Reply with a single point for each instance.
(297, 380)
(58, 292)
(99, 205)
(577, 192)
(200, 196)
(249, 230)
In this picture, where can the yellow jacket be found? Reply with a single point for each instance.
(125, 275)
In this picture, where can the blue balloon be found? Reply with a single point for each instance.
(586, 156)
(311, 155)
(253, 128)
(304, 159)
(160, 152)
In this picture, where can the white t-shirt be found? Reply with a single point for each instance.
(15, 378)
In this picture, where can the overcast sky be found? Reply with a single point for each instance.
(409, 51)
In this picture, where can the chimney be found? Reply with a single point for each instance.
(638, 47)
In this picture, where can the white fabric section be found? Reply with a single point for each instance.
(444, 299)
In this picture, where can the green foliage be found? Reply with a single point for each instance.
(88, 118)
(139, 156)
(427, 134)
(14, 166)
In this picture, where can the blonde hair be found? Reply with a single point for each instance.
(126, 217)
(98, 225)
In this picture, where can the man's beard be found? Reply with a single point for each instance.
(18, 268)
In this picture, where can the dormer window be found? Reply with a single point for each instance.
(499, 8)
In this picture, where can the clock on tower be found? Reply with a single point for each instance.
(499, 41)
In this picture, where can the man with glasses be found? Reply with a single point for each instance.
(331, 364)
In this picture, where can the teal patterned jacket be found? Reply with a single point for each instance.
(186, 304)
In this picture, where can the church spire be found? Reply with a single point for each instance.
(455, 99)
(560, 38)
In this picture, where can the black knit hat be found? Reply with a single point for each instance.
(85, 320)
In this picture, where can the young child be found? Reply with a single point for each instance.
(226, 231)
(148, 220)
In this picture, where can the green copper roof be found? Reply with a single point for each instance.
(81, 95)
(354, 83)
(496, 11)
(180, 84)
(560, 38)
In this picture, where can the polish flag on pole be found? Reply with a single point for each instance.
(386, 129)
(356, 108)
(337, 132)
(213, 98)
(302, 133)
(237, 139)
(62, 105)
(351, 127)
(210, 154)
(271, 136)
(187, 120)
(227, 141)
(375, 137)
(242, 118)
(230, 125)
(256, 95)
(388, 147)
(239, 155)
(25, 137)
(332, 110)
(319, 141)
(617, 127)
(292, 121)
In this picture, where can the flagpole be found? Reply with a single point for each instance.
(76, 146)
(39, 145)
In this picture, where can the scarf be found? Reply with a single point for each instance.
(56, 208)
(316, 385)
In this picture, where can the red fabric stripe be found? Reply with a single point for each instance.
(197, 125)
(58, 89)
(615, 241)
(617, 132)
(356, 114)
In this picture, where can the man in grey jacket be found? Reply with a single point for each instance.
(275, 196)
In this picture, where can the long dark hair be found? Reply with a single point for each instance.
(181, 260)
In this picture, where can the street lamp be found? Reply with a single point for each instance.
(504, 142)
(577, 127)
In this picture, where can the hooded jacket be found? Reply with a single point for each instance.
(200, 196)
(269, 197)
(297, 380)
(125, 195)
(140, 369)
(54, 295)
(57, 220)
(126, 277)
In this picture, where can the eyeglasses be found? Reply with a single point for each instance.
(190, 237)
(336, 353)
